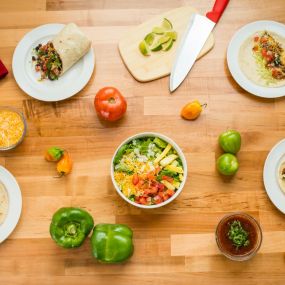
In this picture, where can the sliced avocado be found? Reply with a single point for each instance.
(163, 154)
(160, 143)
(167, 160)
(174, 169)
(176, 184)
(168, 185)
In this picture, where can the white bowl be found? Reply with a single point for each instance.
(178, 150)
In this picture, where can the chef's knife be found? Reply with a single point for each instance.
(193, 41)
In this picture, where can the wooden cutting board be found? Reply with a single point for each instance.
(158, 64)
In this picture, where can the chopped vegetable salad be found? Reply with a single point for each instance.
(148, 170)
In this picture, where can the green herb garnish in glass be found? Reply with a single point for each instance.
(238, 235)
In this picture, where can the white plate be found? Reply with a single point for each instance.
(15, 203)
(233, 53)
(66, 86)
(270, 175)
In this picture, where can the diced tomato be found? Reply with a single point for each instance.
(157, 199)
(135, 179)
(165, 197)
(160, 186)
(256, 38)
(150, 176)
(269, 58)
(275, 73)
(170, 192)
(167, 178)
(142, 200)
(264, 52)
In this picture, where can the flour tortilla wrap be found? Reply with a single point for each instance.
(3, 203)
(71, 44)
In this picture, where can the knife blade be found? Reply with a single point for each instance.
(194, 38)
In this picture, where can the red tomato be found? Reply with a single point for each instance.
(135, 179)
(142, 200)
(157, 199)
(167, 178)
(264, 52)
(110, 104)
(170, 192)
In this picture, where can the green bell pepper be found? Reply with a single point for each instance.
(70, 226)
(112, 243)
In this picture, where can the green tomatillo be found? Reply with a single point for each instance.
(227, 164)
(112, 243)
(70, 226)
(230, 141)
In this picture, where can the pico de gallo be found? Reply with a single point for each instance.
(47, 61)
(269, 55)
(148, 170)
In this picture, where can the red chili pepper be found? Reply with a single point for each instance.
(3, 70)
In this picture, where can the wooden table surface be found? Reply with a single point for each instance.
(174, 244)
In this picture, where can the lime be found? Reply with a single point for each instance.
(156, 46)
(158, 30)
(144, 49)
(167, 46)
(158, 43)
(166, 24)
(149, 38)
(171, 34)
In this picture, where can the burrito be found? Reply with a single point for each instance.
(58, 55)
(3, 203)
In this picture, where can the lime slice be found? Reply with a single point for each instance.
(156, 46)
(149, 38)
(144, 49)
(158, 30)
(163, 39)
(171, 34)
(166, 24)
(167, 46)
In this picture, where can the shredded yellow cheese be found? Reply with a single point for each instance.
(11, 128)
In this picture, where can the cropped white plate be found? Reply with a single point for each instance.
(270, 175)
(66, 86)
(233, 54)
(15, 203)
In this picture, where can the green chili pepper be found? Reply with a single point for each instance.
(70, 226)
(112, 243)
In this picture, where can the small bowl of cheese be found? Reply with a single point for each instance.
(12, 128)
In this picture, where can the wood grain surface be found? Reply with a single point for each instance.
(175, 244)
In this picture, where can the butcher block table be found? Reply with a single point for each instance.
(174, 244)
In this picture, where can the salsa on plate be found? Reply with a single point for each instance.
(269, 55)
(148, 170)
(47, 61)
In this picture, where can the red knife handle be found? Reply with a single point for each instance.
(217, 11)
